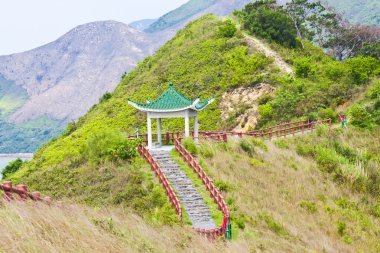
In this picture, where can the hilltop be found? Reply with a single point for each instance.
(305, 197)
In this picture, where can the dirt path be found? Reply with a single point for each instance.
(260, 46)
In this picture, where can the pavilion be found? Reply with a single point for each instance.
(171, 104)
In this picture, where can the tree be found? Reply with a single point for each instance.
(12, 167)
(270, 21)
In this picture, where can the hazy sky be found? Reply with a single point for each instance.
(26, 24)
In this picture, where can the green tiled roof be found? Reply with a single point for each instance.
(171, 100)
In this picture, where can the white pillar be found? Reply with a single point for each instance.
(187, 126)
(196, 129)
(149, 131)
(159, 136)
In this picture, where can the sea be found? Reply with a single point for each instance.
(7, 158)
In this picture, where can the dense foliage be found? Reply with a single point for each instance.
(11, 168)
(269, 21)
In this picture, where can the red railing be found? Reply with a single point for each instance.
(162, 178)
(214, 192)
(22, 192)
(277, 131)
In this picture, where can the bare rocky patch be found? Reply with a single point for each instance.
(241, 106)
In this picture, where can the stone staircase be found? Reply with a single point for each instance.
(196, 209)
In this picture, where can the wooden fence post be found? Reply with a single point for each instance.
(24, 191)
(8, 190)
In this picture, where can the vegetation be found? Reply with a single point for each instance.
(327, 183)
(11, 168)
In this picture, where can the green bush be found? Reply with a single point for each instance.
(106, 96)
(374, 91)
(227, 29)
(272, 224)
(263, 19)
(360, 117)
(246, 146)
(328, 159)
(303, 67)
(207, 150)
(327, 113)
(309, 206)
(375, 210)
(110, 145)
(362, 68)
(190, 145)
(11, 168)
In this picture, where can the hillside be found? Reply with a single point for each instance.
(286, 195)
(194, 9)
(73, 72)
(308, 210)
(358, 11)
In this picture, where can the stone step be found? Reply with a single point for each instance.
(190, 198)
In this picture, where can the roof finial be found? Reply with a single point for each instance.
(171, 84)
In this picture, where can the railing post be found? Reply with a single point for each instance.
(225, 136)
(36, 196)
(167, 138)
(8, 190)
(24, 191)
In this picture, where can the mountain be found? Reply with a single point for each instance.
(317, 192)
(60, 81)
(142, 24)
(365, 12)
(193, 10)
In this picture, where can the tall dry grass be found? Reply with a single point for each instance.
(300, 199)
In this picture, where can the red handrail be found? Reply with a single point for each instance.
(280, 130)
(214, 192)
(144, 152)
(22, 191)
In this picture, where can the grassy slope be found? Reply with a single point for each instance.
(283, 201)
(287, 201)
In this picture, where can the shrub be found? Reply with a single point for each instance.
(374, 91)
(207, 150)
(246, 146)
(11, 168)
(375, 210)
(362, 68)
(327, 113)
(227, 29)
(110, 145)
(328, 158)
(303, 67)
(360, 117)
(272, 224)
(106, 96)
(322, 130)
(309, 206)
(260, 19)
(190, 145)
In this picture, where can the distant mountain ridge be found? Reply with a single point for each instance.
(66, 77)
